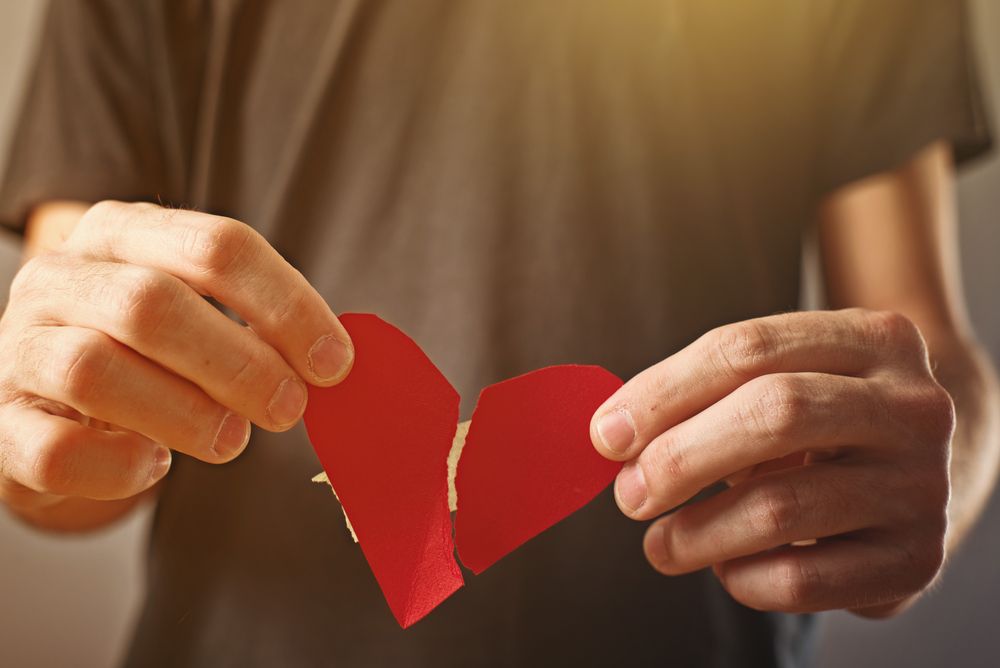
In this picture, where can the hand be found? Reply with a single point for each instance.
(829, 427)
(112, 357)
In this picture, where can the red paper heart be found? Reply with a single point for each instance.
(383, 437)
(528, 461)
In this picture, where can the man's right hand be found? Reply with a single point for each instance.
(112, 357)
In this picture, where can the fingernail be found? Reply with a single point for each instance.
(288, 403)
(330, 358)
(617, 431)
(655, 545)
(631, 487)
(161, 464)
(232, 437)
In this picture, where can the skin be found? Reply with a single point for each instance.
(859, 445)
(119, 360)
(838, 426)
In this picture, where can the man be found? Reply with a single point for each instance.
(514, 184)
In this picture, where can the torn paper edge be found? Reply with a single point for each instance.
(457, 444)
(322, 477)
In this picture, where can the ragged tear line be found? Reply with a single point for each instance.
(321, 478)
(457, 443)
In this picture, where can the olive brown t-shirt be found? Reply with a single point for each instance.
(515, 184)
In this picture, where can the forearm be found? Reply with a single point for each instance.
(890, 242)
(969, 376)
(49, 225)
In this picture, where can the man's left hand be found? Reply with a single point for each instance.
(834, 437)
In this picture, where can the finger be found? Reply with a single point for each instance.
(101, 378)
(228, 260)
(163, 319)
(833, 574)
(55, 455)
(851, 342)
(766, 419)
(808, 502)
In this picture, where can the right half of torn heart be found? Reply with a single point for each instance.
(528, 461)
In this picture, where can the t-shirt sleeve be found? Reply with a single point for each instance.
(893, 76)
(87, 128)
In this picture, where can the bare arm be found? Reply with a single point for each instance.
(834, 429)
(891, 243)
(50, 224)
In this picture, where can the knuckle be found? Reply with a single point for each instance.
(28, 277)
(777, 407)
(879, 407)
(646, 394)
(895, 330)
(922, 563)
(668, 460)
(248, 372)
(51, 468)
(24, 360)
(108, 209)
(723, 575)
(144, 300)
(665, 550)
(926, 412)
(216, 245)
(288, 309)
(745, 348)
(254, 377)
(795, 581)
(102, 214)
(132, 475)
(776, 510)
(83, 363)
(927, 493)
(939, 411)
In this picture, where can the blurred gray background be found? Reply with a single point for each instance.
(70, 601)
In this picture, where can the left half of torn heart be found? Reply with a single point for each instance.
(384, 445)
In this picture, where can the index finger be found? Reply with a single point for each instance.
(231, 262)
(850, 342)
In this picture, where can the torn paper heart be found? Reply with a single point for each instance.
(384, 435)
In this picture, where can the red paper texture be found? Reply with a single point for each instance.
(383, 437)
(528, 460)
